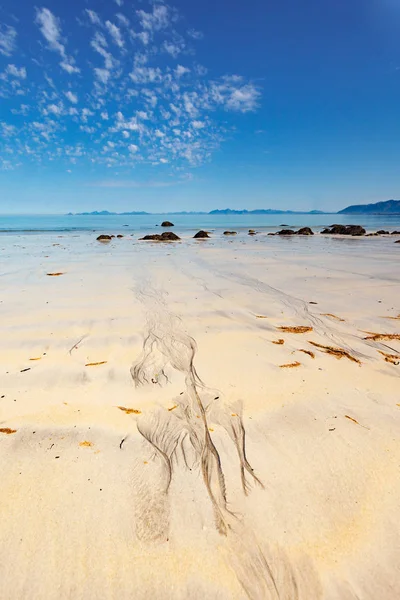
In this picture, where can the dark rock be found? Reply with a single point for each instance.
(104, 238)
(286, 232)
(167, 236)
(201, 235)
(395, 232)
(120, 235)
(355, 230)
(167, 224)
(230, 232)
(284, 225)
(113, 236)
(305, 231)
(371, 235)
(271, 234)
(345, 230)
(382, 232)
(397, 242)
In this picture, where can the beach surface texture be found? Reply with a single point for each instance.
(215, 418)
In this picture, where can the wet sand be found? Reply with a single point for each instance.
(202, 419)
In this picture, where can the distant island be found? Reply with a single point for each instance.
(389, 207)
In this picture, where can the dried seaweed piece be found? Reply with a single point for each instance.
(332, 316)
(337, 352)
(297, 329)
(355, 421)
(290, 365)
(173, 407)
(7, 430)
(307, 352)
(96, 364)
(130, 411)
(393, 318)
(36, 358)
(394, 359)
(278, 342)
(54, 274)
(261, 317)
(381, 336)
(86, 444)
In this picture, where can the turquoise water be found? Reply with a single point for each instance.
(117, 223)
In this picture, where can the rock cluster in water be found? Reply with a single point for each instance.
(167, 236)
(167, 224)
(345, 230)
(201, 235)
(302, 231)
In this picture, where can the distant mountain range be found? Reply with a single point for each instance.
(225, 211)
(264, 211)
(390, 207)
(106, 213)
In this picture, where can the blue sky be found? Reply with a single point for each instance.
(141, 105)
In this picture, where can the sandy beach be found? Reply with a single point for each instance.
(203, 419)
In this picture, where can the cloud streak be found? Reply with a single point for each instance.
(8, 37)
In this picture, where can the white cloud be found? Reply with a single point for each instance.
(72, 97)
(68, 66)
(115, 33)
(146, 75)
(133, 148)
(196, 35)
(102, 75)
(93, 16)
(180, 70)
(15, 72)
(8, 130)
(99, 44)
(50, 27)
(8, 36)
(22, 110)
(156, 20)
(143, 36)
(86, 112)
(244, 99)
(123, 19)
(174, 49)
(55, 109)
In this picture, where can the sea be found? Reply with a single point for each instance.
(34, 224)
